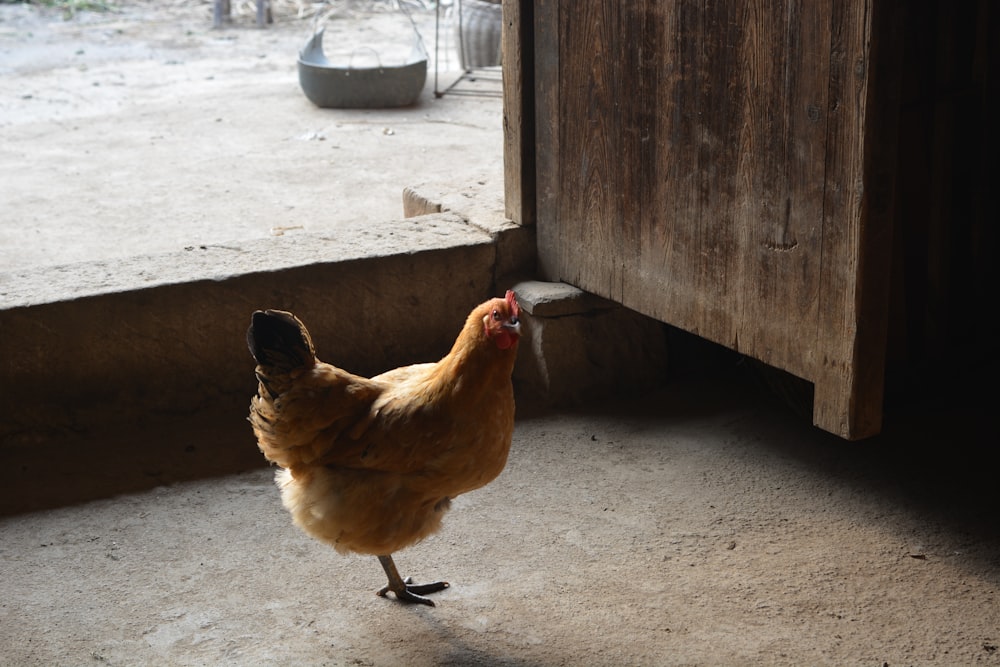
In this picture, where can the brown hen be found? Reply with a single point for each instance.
(370, 465)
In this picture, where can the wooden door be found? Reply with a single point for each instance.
(724, 167)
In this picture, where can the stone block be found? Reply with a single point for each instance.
(480, 203)
(578, 347)
(121, 340)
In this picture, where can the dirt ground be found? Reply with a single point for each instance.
(702, 524)
(142, 130)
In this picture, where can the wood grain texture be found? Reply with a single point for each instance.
(547, 120)
(710, 165)
(861, 161)
(518, 112)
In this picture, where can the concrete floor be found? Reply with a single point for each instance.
(701, 524)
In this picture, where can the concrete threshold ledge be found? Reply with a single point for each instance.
(220, 262)
(120, 375)
(165, 335)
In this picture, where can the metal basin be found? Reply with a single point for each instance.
(334, 86)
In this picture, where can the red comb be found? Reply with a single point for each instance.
(511, 298)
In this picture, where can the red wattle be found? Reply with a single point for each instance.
(504, 340)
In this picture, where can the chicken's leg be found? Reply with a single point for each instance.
(404, 590)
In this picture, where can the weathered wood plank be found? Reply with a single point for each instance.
(691, 237)
(547, 122)
(518, 111)
(592, 181)
(780, 179)
(698, 165)
(707, 164)
(857, 230)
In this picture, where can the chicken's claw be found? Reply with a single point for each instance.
(404, 589)
(414, 592)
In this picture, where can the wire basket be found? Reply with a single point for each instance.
(479, 31)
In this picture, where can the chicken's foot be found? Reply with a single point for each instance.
(403, 589)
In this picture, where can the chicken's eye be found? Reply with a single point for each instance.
(496, 315)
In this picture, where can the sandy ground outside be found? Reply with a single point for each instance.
(143, 130)
(702, 524)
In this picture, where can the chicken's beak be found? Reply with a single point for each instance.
(513, 325)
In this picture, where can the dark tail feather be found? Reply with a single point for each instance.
(279, 342)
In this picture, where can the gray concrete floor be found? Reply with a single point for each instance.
(701, 524)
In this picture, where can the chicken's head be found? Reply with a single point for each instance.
(503, 321)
